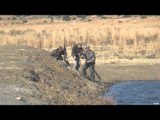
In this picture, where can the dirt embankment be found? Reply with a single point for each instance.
(30, 76)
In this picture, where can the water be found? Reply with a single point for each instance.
(135, 93)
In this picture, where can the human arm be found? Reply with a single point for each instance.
(92, 58)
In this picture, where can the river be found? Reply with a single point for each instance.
(139, 92)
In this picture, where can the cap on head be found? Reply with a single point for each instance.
(60, 47)
(79, 44)
(73, 43)
(87, 47)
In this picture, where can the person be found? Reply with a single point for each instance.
(90, 57)
(58, 53)
(77, 51)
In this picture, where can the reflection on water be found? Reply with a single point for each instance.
(135, 93)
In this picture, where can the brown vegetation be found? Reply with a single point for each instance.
(120, 36)
(53, 83)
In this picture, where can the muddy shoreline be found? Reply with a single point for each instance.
(113, 74)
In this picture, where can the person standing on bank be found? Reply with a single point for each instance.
(90, 57)
(77, 51)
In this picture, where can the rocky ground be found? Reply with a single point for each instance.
(30, 76)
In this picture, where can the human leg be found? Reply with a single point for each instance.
(84, 72)
(92, 75)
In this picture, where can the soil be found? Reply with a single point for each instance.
(31, 76)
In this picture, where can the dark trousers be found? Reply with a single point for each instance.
(77, 62)
(59, 58)
(91, 69)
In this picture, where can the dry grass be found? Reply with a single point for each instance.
(57, 84)
(75, 94)
(104, 101)
(123, 37)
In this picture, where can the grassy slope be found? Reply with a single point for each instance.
(56, 84)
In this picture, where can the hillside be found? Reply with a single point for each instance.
(30, 76)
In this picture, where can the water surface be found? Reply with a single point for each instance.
(135, 92)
